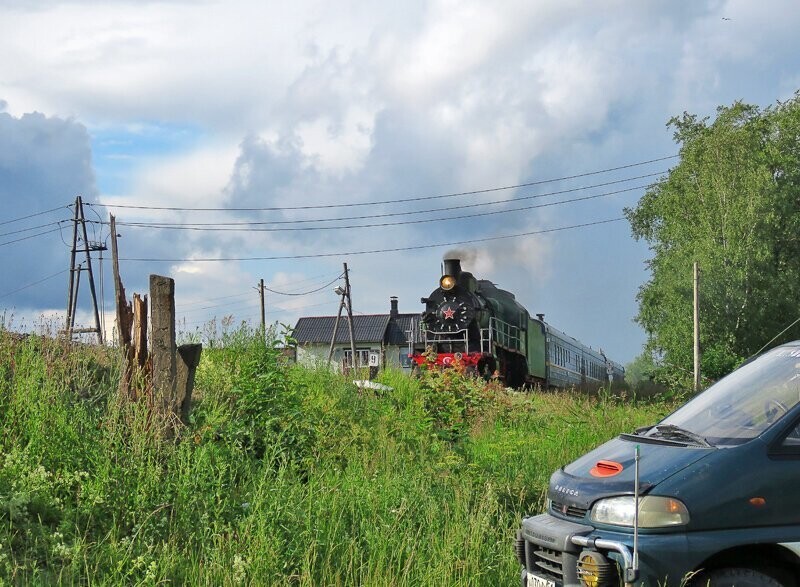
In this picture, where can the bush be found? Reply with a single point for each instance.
(454, 400)
(267, 411)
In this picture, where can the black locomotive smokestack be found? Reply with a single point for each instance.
(452, 267)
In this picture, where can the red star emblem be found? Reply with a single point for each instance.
(449, 313)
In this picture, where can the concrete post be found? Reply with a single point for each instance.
(162, 301)
(188, 360)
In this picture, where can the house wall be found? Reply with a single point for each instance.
(397, 356)
(313, 355)
(317, 354)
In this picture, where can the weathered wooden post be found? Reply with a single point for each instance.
(167, 370)
(139, 330)
(125, 318)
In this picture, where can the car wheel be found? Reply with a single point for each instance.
(735, 577)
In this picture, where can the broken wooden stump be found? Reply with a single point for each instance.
(164, 376)
(139, 330)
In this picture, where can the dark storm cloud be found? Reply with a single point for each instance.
(406, 161)
(265, 174)
(45, 162)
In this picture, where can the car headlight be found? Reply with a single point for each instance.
(655, 511)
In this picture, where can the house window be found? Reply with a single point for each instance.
(362, 357)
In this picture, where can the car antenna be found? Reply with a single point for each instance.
(776, 336)
(636, 512)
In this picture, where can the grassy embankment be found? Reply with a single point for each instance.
(285, 476)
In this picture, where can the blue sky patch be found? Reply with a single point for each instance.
(118, 152)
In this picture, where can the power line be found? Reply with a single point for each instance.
(24, 238)
(43, 279)
(242, 317)
(482, 214)
(57, 223)
(242, 304)
(33, 215)
(384, 215)
(368, 252)
(216, 226)
(380, 202)
(241, 295)
(182, 307)
(61, 236)
(183, 323)
(315, 278)
(291, 310)
(305, 293)
(776, 336)
(253, 304)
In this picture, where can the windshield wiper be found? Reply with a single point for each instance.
(673, 432)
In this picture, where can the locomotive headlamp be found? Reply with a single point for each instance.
(447, 282)
(655, 511)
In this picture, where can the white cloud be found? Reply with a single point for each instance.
(338, 147)
(459, 37)
(196, 178)
(576, 84)
(318, 103)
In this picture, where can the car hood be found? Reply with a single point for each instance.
(576, 484)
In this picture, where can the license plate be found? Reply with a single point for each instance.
(537, 581)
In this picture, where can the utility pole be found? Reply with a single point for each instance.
(340, 292)
(345, 302)
(349, 313)
(696, 304)
(263, 313)
(131, 318)
(75, 273)
(119, 294)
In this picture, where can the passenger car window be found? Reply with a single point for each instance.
(792, 440)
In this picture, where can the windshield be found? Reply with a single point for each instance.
(743, 404)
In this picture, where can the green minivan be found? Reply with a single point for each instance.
(708, 496)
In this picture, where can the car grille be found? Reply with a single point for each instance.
(570, 511)
(546, 561)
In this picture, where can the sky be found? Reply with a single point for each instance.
(417, 119)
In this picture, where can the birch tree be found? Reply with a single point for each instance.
(732, 203)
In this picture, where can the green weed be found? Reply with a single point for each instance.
(284, 475)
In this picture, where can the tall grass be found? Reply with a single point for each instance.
(284, 476)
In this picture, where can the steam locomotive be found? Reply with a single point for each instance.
(486, 329)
